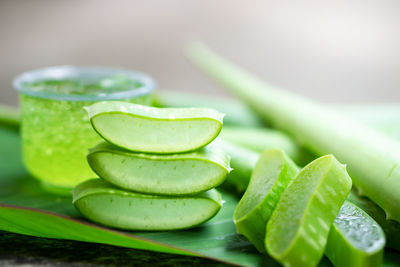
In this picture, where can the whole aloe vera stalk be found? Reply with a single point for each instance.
(373, 159)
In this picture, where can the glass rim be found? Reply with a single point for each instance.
(59, 72)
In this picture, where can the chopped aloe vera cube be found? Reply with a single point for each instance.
(298, 229)
(172, 174)
(271, 176)
(355, 239)
(105, 204)
(155, 130)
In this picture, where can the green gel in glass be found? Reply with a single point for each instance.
(56, 135)
(55, 128)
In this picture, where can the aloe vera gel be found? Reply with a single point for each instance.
(355, 239)
(142, 187)
(56, 131)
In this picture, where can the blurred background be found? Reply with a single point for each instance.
(332, 51)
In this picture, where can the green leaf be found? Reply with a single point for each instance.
(26, 209)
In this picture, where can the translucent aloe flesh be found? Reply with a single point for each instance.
(103, 203)
(271, 176)
(355, 239)
(155, 130)
(373, 159)
(298, 229)
(390, 227)
(172, 174)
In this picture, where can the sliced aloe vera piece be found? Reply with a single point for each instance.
(299, 226)
(390, 227)
(272, 174)
(103, 203)
(155, 130)
(355, 239)
(173, 174)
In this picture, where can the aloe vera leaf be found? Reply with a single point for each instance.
(355, 239)
(9, 116)
(382, 117)
(390, 227)
(103, 203)
(298, 229)
(271, 176)
(237, 113)
(172, 174)
(260, 139)
(155, 130)
(376, 173)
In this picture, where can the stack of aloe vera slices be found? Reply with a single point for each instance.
(297, 216)
(156, 169)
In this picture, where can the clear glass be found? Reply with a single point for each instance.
(56, 132)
